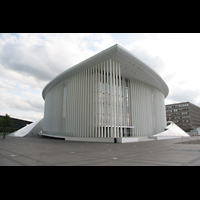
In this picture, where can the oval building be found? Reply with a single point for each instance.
(112, 95)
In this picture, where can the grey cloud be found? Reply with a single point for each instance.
(156, 62)
(37, 104)
(170, 77)
(183, 95)
(27, 63)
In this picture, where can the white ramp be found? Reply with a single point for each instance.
(172, 131)
(33, 127)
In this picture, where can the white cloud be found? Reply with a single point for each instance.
(29, 61)
(177, 58)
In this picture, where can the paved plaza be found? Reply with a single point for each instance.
(34, 151)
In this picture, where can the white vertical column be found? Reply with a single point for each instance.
(71, 91)
(79, 105)
(66, 118)
(120, 97)
(91, 95)
(96, 101)
(114, 98)
(139, 110)
(77, 97)
(93, 103)
(129, 105)
(76, 94)
(89, 102)
(117, 101)
(124, 112)
(132, 102)
(111, 103)
(75, 104)
(107, 101)
(104, 89)
(144, 110)
(69, 105)
(77, 100)
(137, 113)
(102, 115)
(89, 98)
(98, 105)
(86, 103)
(135, 107)
(82, 105)
(147, 110)
(85, 96)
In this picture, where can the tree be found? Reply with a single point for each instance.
(5, 122)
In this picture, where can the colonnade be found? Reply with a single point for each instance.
(100, 102)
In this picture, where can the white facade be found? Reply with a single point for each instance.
(171, 131)
(110, 95)
(30, 129)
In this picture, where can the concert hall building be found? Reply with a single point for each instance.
(112, 95)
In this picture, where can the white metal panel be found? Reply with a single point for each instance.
(96, 104)
(118, 53)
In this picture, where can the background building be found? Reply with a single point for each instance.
(113, 94)
(16, 124)
(186, 115)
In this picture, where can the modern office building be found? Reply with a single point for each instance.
(110, 95)
(186, 115)
(16, 124)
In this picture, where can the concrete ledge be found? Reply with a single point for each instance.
(141, 139)
(110, 140)
(54, 136)
(81, 139)
(85, 139)
(166, 137)
(126, 140)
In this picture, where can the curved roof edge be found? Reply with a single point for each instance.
(125, 57)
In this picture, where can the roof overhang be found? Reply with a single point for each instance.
(131, 67)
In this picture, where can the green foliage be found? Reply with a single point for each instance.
(5, 122)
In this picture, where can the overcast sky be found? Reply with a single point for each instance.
(29, 61)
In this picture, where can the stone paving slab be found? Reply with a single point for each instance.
(36, 151)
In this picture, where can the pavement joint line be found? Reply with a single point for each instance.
(28, 152)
